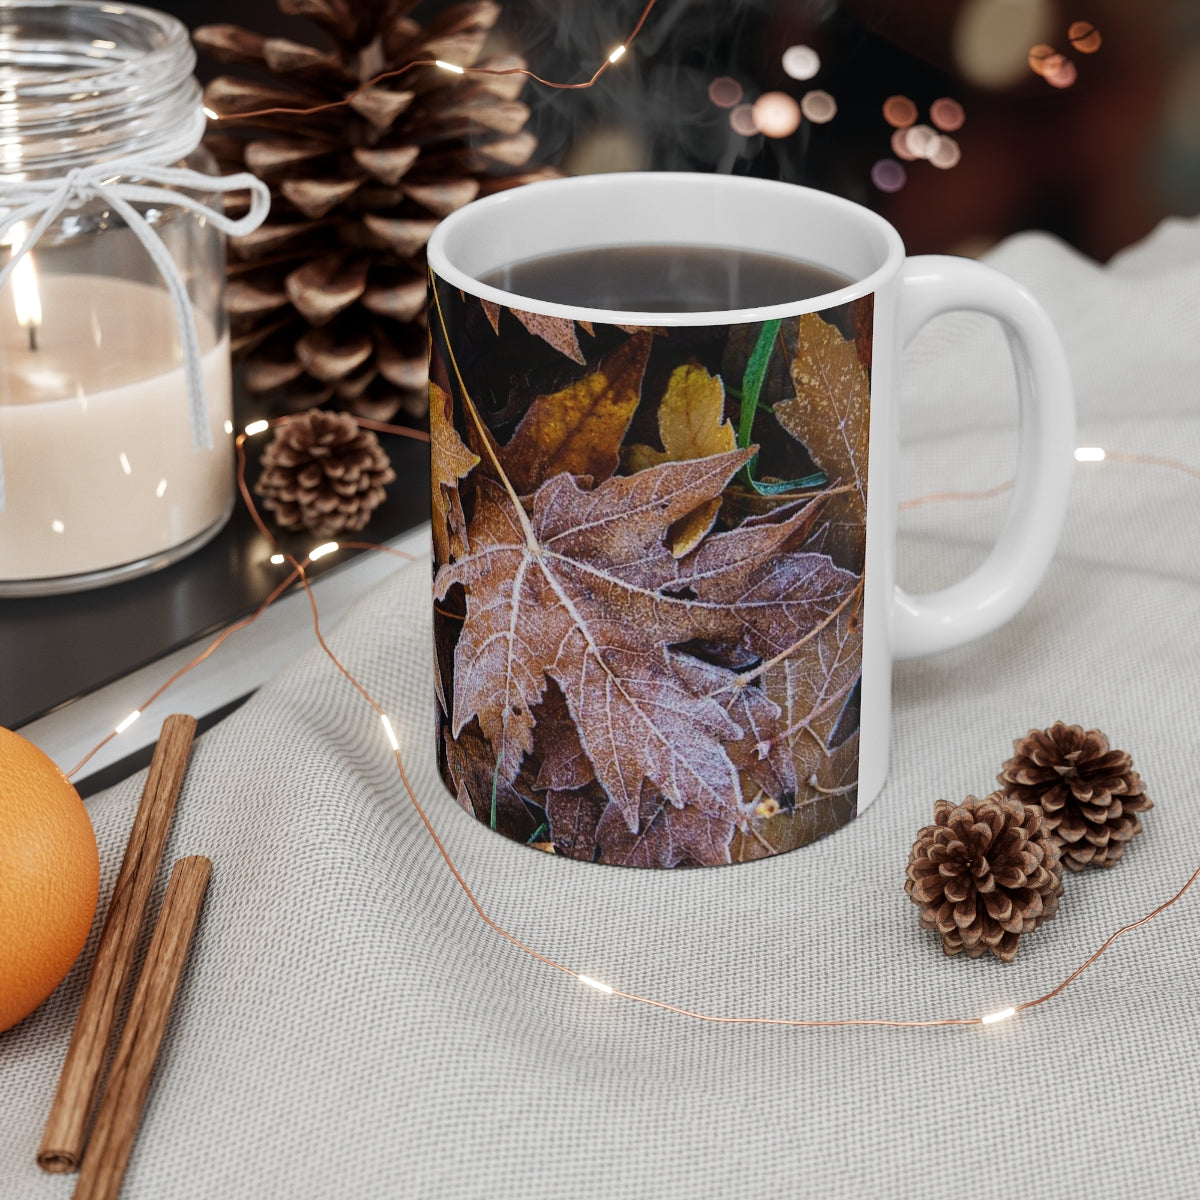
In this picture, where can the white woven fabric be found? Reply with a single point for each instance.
(348, 1027)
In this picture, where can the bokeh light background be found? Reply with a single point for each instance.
(961, 120)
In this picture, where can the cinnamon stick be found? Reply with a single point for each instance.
(128, 1083)
(66, 1126)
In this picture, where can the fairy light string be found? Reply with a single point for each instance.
(299, 574)
(441, 64)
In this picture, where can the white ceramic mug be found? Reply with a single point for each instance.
(665, 600)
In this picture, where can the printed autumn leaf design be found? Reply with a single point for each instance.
(812, 689)
(558, 332)
(691, 424)
(579, 430)
(578, 586)
(691, 421)
(450, 461)
(830, 416)
(665, 837)
(642, 660)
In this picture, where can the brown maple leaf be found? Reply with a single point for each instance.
(811, 689)
(830, 415)
(579, 586)
(450, 461)
(478, 788)
(666, 837)
(762, 755)
(573, 818)
(579, 430)
(558, 332)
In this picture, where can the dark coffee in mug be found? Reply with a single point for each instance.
(665, 278)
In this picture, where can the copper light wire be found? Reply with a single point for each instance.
(438, 63)
(299, 573)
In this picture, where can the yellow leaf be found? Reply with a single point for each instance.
(450, 462)
(690, 421)
(579, 430)
(688, 532)
(691, 425)
(690, 416)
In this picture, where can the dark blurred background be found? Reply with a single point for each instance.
(1079, 117)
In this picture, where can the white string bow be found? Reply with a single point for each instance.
(44, 201)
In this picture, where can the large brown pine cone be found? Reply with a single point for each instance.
(1089, 793)
(327, 297)
(984, 873)
(322, 473)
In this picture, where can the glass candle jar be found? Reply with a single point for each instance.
(116, 430)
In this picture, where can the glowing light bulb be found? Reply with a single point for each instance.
(447, 66)
(946, 154)
(741, 119)
(277, 560)
(899, 112)
(616, 54)
(1002, 1015)
(1089, 454)
(208, 112)
(1085, 37)
(1059, 71)
(921, 140)
(725, 91)
(801, 62)
(391, 733)
(990, 39)
(1039, 55)
(595, 983)
(818, 106)
(129, 720)
(320, 551)
(257, 427)
(947, 114)
(776, 114)
(888, 175)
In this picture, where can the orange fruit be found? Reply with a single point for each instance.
(49, 877)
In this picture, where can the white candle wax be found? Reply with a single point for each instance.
(95, 435)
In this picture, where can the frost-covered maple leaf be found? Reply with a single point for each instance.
(580, 586)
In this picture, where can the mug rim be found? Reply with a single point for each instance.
(439, 259)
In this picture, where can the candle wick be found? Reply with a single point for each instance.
(33, 335)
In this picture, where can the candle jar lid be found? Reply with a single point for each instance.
(115, 390)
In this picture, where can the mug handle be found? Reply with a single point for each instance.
(997, 589)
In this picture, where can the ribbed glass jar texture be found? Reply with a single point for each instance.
(103, 479)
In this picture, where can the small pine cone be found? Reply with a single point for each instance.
(1089, 793)
(322, 473)
(985, 872)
